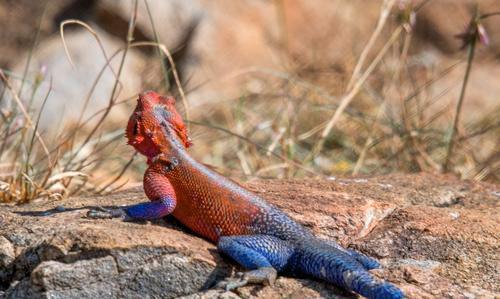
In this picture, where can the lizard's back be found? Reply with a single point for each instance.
(214, 206)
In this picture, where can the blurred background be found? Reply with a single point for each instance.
(269, 88)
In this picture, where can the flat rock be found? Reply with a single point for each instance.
(436, 237)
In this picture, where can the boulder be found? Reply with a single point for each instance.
(173, 20)
(21, 21)
(228, 49)
(71, 85)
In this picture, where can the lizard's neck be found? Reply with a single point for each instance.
(188, 169)
(178, 151)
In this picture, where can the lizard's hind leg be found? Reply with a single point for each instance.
(263, 255)
(367, 262)
(341, 268)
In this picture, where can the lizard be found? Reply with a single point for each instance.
(254, 233)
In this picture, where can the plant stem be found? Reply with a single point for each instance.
(31, 49)
(456, 119)
(158, 50)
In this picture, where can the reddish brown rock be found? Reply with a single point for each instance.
(436, 237)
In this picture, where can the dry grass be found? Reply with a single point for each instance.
(30, 170)
(384, 121)
(288, 127)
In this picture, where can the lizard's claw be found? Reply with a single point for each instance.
(265, 276)
(103, 213)
(232, 283)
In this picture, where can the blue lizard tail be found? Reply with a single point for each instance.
(340, 268)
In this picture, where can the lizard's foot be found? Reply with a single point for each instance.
(103, 213)
(264, 275)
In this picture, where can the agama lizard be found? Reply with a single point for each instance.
(257, 235)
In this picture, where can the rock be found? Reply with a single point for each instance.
(20, 21)
(227, 49)
(6, 252)
(424, 250)
(71, 86)
(82, 279)
(228, 46)
(172, 19)
(221, 43)
(7, 256)
(212, 294)
(241, 47)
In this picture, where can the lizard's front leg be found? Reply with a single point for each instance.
(157, 188)
(263, 255)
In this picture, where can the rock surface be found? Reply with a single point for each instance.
(436, 237)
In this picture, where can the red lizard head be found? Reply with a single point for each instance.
(144, 131)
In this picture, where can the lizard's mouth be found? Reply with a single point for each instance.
(143, 145)
(138, 137)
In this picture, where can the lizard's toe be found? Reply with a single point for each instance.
(233, 283)
(264, 276)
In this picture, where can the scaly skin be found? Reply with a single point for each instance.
(254, 233)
